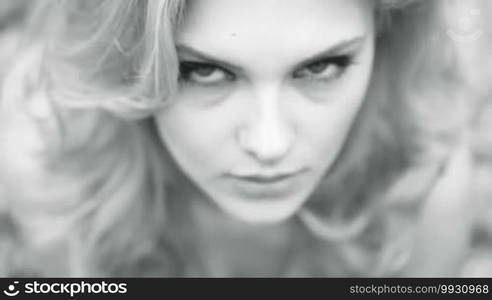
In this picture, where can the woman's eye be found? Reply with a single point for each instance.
(202, 73)
(325, 69)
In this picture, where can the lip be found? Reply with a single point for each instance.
(265, 178)
(271, 185)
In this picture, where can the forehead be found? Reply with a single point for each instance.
(273, 25)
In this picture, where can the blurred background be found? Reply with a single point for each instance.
(470, 27)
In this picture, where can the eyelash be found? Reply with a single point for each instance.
(189, 68)
(341, 62)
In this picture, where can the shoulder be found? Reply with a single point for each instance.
(445, 222)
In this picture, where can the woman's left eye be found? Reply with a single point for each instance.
(325, 69)
(203, 73)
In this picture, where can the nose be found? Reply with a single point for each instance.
(267, 136)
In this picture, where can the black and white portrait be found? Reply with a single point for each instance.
(245, 138)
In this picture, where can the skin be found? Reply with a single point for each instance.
(271, 116)
(258, 101)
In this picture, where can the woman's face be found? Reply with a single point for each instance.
(268, 92)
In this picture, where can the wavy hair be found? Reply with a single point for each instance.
(90, 74)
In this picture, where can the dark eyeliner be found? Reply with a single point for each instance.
(341, 61)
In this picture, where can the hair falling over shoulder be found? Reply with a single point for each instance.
(87, 78)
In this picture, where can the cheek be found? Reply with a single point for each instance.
(331, 117)
(333, 134)
(339, 117)
(194, 138)
(328, 125)
(180, 135)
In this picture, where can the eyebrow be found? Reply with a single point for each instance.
(351, 45)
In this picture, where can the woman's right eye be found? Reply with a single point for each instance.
(203, 73)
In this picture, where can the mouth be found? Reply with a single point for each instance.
(266, 178)
(271, 185)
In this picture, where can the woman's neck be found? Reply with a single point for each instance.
(228, 247)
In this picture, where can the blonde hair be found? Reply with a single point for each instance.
(101, 68)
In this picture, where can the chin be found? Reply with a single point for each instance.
(261, 211)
